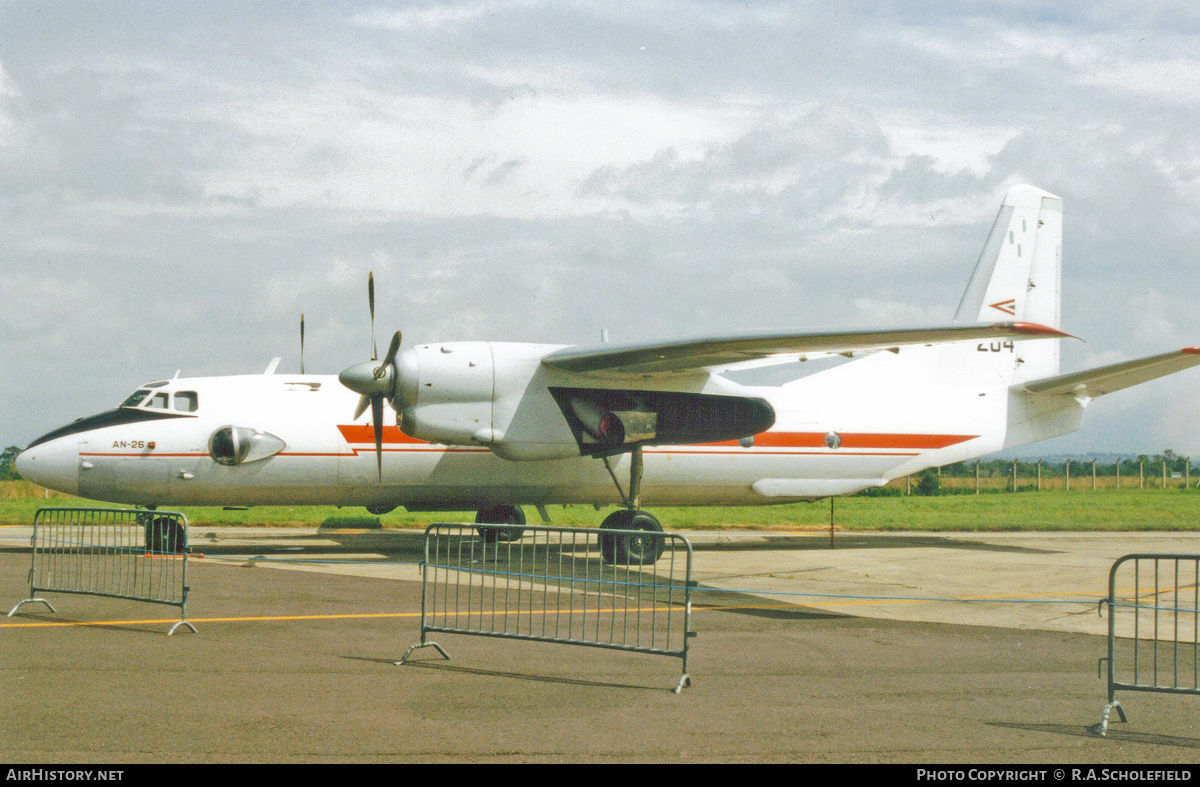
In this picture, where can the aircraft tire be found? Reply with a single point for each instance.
(165, 535)
(631, 550)
(502, 514)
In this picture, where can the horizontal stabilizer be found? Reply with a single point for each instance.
(1106, 379)
(720, 352)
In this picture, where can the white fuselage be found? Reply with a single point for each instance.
(838, 431)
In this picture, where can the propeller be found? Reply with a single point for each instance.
(374, 382)
(371, 302)
(301, 343)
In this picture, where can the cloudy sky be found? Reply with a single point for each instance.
(180, 181)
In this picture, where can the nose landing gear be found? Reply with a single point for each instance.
(502, 514)
(164, 534)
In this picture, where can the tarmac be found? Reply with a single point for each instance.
(914, 649)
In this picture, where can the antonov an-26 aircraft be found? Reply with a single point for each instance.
(492, 426)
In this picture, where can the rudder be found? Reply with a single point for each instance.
(1018, 277)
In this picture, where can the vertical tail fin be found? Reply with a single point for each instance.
(1019, 276)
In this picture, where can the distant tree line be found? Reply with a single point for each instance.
(8, 464)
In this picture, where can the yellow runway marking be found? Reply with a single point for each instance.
(295, 618)
(376, 615)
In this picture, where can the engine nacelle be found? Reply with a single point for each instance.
(482, 393)
(446, 392)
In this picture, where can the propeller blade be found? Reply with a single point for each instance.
(393, 348)
(371, 301)
(301, 343)
(363, 403)
(377, 422)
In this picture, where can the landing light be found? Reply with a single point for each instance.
(233, 445)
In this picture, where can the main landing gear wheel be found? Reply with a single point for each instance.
(164, 535)
(631, 549)
(501, 515)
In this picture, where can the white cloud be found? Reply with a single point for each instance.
(434, 16)
(538, 171)
(9, 93)
(8, 88)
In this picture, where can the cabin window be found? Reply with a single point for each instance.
(186, 401)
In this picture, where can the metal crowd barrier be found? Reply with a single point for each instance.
(1153, 624)
(133, 554)
(566, 585)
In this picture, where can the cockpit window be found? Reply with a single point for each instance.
(186, 401)
(135, 398)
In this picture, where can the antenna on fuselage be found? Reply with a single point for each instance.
(301, 342)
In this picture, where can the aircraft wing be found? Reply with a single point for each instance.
(716, 352)
(1106, 379)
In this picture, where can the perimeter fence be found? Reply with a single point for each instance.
(563, 585)
(1153, 626)
(133, 554)
(1030, 475)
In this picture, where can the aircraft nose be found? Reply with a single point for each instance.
(53, 465)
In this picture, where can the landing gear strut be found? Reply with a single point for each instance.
(636, 550)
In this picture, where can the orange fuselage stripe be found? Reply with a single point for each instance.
(357, 434)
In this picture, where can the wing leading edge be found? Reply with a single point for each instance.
(1106, 379)
(717, 352)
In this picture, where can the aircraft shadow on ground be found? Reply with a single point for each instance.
(393, 543)
(443, 666)
(739, 603)
(412, 542)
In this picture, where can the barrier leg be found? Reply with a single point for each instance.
(420, 645)
(13, 611)
(1107, 710)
